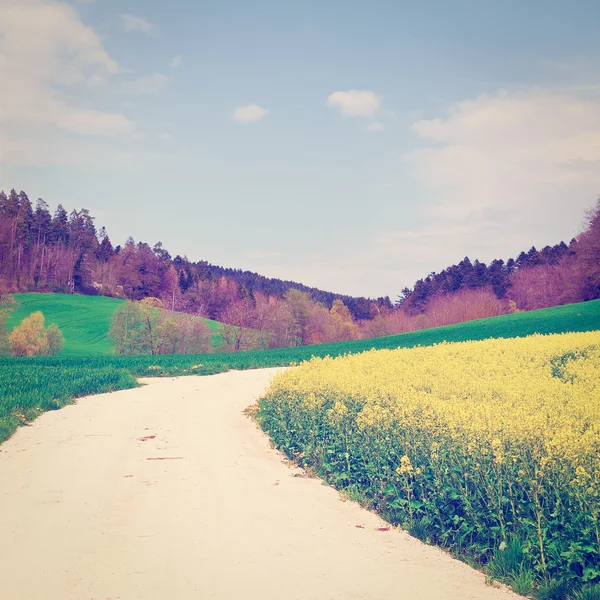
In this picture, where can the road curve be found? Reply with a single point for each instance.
(168, 492)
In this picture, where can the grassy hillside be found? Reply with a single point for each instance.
(84, 320)
(572, 317)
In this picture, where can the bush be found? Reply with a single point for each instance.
(30, 338)
(145, 328)
(55, 339)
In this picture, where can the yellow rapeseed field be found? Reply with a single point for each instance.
(468, 444)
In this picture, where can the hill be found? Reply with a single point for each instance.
(83, 320)
(86, 261)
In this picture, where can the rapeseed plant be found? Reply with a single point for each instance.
(485, 442)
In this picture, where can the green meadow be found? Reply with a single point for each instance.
(83, 320)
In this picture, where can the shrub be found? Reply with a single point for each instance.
(55, 339)
(145, 328)
(30, 338)
(465, 305)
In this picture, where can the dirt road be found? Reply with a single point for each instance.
(168, 492)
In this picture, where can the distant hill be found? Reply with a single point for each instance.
(83, 320)
(65, 252)
(359, 307)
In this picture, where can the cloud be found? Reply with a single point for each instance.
(501, 172)
(355, 103)
(48, 54)
(95, 122)
(509, 150)
(150, 84)
(176, 62)
(135, 23)
(250, 113)
(375, 127)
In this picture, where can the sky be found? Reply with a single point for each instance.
(351, 146)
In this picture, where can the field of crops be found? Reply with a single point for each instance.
(83, 320)
(471, 445)
(27, 391)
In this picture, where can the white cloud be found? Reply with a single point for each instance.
(95, 122)
(502, 172)
(150, 84)
(135, 23)
(375, 127)
(250, 113)
(176, 62)
(85, 1)
(355, 103)
(47, 53)
(509, 150)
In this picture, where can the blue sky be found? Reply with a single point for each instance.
(351, 146)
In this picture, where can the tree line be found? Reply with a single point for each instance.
(552, 276)
(534, 279)
(65, 252)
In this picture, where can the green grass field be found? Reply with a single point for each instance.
(31, 385)
(83, 320)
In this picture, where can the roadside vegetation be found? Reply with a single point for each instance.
(489, 448)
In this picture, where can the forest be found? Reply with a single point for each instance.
(61, 251)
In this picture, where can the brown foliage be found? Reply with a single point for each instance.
(238, 332)
(30, 338)
(151, 301)
(390, 323)
(545, 285)
(588, 255)
(273, 316)
(465, 305)
(340, 326)
(139, 328)
(6, 304)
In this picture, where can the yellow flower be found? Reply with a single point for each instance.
(405, 466)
